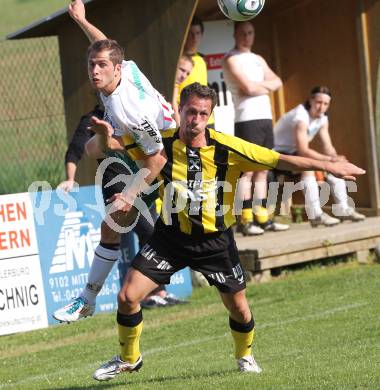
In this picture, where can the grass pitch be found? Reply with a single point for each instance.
(316, 329)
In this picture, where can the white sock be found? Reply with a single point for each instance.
(312, 201)
(101, 266)
(339, 190)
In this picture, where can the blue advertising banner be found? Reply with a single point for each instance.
(68, 232)
(180, 284)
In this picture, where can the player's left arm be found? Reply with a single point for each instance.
(342, 169)
(151, 154)
(251, 157)
(103, 140)
(150, 167)
(246, 156)
(154, 163)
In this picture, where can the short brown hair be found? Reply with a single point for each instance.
(240, 23)
(188, 58)
(201, 91)
(116, 52)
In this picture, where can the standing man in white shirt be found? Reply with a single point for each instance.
(250, 81)
(293, 134)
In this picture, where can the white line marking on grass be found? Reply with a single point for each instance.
(153, 351)
(326, 313)
(47, 379)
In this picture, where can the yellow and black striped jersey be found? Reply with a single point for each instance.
(199, 184)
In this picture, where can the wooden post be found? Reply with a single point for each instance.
(367, 99)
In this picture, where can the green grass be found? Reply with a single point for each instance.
(316, 329)
(17, 14)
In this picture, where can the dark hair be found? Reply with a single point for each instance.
(201, 91)
(115, 50)
(314, 91)
(237, 24)
(197, 22)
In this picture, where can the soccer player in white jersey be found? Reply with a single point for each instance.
(134, 109)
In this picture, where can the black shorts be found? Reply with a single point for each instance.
(258, 131)
(214, 255)
(113, 170)
(116, 169)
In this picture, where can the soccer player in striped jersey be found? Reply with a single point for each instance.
(194, 229)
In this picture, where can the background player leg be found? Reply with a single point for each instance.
(261, 215)
(245, 225)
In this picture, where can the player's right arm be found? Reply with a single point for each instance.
(78, 14)
(103, 140)
(151, 167)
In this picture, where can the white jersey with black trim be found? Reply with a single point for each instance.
(135, 108)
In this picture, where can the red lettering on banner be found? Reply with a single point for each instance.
(214, 61)
(11, 212)
(21, 211)
(14, 239)
(2, 241)
(25, 237)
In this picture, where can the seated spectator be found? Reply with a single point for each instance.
(293, 134)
